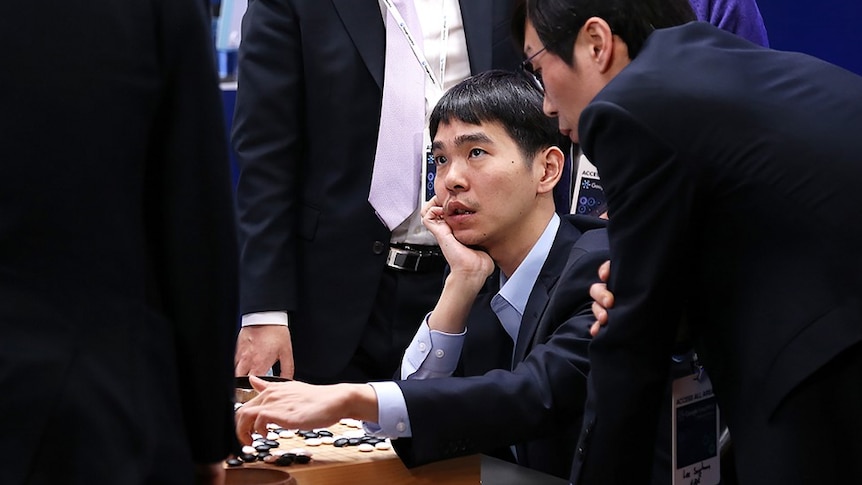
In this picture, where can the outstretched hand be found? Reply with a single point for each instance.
(297, 405)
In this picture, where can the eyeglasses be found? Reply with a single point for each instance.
(532, 75)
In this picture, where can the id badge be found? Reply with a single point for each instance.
(589, 197)
(429, 169)
(695, 432)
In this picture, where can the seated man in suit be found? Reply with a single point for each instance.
(514, 312)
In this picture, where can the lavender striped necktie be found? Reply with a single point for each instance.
(395, 182)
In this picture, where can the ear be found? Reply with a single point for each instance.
(597, 38)
(550, 162)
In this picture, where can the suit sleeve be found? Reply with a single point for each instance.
(741, 17)
(268, 141)
(651, 201)
(458, 416)
(190, 228)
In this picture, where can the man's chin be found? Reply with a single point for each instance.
(470, 239)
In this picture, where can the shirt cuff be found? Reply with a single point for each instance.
(392, 418)
(265, 318)
(444, 350)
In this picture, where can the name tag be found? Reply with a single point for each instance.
(429, 173)
(695, 432)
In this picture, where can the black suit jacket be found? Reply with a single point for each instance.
(717, 157)
(305, 131)
(117, 245)
(537, 406)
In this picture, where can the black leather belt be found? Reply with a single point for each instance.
(415, 258)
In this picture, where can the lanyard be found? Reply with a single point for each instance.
(420, 56)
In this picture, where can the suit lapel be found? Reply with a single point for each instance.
(545, 283)
(487, 345)
(477, 16)
(364, 23)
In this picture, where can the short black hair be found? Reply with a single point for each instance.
(505, 97)
(557, 22)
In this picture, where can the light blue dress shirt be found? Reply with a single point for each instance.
(508, 304)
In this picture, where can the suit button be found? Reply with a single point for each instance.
(378, 247)
(581, 452)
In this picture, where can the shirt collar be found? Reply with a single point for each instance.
(515, 291)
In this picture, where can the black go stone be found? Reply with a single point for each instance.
(234, 462)
(248, 457)
(310, 434)
(340, 442)
(271, 443)
(302, 459)
(354, 441)
(324, 432)
(285, 459)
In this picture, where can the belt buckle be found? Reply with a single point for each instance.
(403, 259)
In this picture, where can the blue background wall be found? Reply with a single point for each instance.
(828, 29)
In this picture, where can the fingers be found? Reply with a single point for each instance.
(434, 215)
(428, 205)
(602, 301)
(600, 313)
(240, 368)
(250, 418)
(287, 367)
(594, 329)
(257, 383)
(244, 424)
(258, 347)
(247, 367)
(285, 358)
(605, 271)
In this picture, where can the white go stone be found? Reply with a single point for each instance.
(365, 447)
(383, 445)
(327, 440)
(256, 436)
(313, 442)
(351, 423)
(249, 450)
(272, 436)
(288, 433)
(271, 426)
(354, 433)
(300, 451)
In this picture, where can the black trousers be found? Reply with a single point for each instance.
(403, 299)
